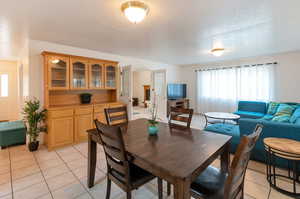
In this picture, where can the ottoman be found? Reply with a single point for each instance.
(227, 129)
(12, 133)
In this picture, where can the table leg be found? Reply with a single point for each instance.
(182, 189)
(225, 159)
(92, 158)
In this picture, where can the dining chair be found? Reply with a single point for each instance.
(180, 115)
(120, 169)
(116, 115)
(212, 183)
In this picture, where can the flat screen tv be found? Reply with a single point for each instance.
(176, 91)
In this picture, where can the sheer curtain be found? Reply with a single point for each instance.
(221, 89)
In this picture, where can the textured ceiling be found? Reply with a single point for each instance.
(174, 32)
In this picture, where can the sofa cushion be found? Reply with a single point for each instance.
(272, 108)
(252, 106)
(248, 114)
(284, 113)
(295, 115)
(268, 117)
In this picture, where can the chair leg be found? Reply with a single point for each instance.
(108, 187)
(129, 195)
(168, 188)
(160, 188)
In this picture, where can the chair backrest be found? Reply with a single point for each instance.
(235, 181)
(116, 115)
(114, 149)
(177, 114)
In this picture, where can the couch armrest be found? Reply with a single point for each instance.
(270, 129)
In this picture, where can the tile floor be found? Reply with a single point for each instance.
(62, 174)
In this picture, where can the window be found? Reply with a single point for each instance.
(220, 89)
(4, 85)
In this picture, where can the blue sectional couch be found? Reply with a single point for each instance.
(251, 114)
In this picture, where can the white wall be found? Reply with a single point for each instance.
(140, 78)
(287, 75)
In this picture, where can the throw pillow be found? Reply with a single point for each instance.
(285, 109)
(295, 115)
(297, 121)
(281, 118)
(284, 113)
(272, 108)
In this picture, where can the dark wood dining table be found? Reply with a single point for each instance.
(177, 155)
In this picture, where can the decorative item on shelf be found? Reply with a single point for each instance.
(135, 11)
(34, 118)
(152, 128)
(85, 98)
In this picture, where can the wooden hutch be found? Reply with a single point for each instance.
(65, 78)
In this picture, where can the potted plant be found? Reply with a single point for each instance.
(34, 118)
(152, 128)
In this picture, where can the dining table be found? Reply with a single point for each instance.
(176, 155)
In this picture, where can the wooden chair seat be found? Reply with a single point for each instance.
(211, 182)
(138, 176)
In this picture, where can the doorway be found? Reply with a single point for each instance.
(159, 92)
(9, 103)
(141, 93)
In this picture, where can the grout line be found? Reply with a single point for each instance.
(11, 182)
(43, 176)
(100, 169)
(86, 189)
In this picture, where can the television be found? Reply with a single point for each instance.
(176, 91)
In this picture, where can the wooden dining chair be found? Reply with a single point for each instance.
(179, 115)
(214, 184)
(120, 169)
(116, 115)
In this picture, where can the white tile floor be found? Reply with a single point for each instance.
(62, 174)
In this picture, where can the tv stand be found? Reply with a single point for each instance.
(178, 103)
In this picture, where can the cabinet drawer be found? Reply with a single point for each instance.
(83, 111)
(100, 108)
(60, 113)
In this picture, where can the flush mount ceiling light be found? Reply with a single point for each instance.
(55, 61)
(217, 52)
(135, 11)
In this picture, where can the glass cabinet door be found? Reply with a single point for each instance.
(96, 75)
(58, 72)
(79, 74)
(110, 76)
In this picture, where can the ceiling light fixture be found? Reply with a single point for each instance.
(55, 61)
(217, 52)
(135, 11)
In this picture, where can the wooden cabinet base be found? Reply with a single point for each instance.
(60, 132)
(67, 126)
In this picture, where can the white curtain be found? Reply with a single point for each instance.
(221, 89)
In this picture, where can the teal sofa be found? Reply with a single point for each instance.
(271, 129)
(246, 126)
(12, 133)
